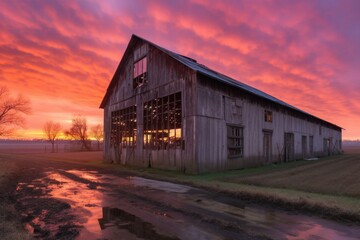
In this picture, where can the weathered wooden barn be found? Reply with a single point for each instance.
(165, 110)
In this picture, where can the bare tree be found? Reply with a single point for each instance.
(97, 132)
(52, 131)
(78, 131)
(12, 111)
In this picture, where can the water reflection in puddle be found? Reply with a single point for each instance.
(86, 201)
(124, 220)
(312, 230)
(88, 175)
(103, 212)
(82, 190)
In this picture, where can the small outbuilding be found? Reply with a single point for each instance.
(165, 110)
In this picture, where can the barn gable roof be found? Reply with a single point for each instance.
(202, 69)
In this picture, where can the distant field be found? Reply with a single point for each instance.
(29, 147)
(40, 146)
(352, 149)
(336, 175)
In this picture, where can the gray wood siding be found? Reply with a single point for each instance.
(208, 107)
(165, 76)
(218, 106)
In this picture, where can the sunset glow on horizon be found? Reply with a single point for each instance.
(62, 54)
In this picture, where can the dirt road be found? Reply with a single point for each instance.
(60, 200)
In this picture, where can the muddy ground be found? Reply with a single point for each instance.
(58, 200)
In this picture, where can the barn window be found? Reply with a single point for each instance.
(162, 122)
(268, 116)
(123, 127)
(140, 72)
(235, 136)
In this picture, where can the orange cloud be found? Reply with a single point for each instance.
(62, 54)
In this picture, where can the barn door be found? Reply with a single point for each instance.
(267, 146)
(311, 146)
(289, 147)
(304, 146)
(326, 147)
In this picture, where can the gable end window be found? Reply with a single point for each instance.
(268, 116)
(140, 72)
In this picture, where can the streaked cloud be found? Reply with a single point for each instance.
(62, 54)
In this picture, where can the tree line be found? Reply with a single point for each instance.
(78, 132)
(12, 116)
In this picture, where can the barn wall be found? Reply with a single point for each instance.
(219, 105)
(208, 107)
(165, 76)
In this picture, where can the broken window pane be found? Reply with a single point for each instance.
(235, 136)
(123, 127)
(268, 116)
(140, 72)
(163, 122)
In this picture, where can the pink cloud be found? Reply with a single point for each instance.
(303, 52)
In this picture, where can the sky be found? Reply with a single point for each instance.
(62, 54)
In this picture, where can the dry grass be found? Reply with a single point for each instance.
(329, 187)
(77, 157)
(10, 227)
(94, 157)
(7, 168)
(337, 175)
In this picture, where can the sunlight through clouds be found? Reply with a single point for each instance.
(63, 54)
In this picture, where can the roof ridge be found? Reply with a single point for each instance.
(205, 70)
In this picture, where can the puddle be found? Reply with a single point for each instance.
(159, 185)
(124, 220)
(88, 175)
(278, 224)
(88, 205)
(82, 198)
(309, 230)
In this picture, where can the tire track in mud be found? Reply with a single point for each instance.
(47, 217)
(43, 216)
(159, 205)
(87, 204)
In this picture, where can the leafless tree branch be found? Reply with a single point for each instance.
(97, 132)
(78, 131)
(12, 111)
(52, 131)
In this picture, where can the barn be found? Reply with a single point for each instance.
(165, 110)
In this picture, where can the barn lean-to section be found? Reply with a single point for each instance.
(269, 132)
(164, 110)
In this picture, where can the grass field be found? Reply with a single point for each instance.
(328, 187)
(336, 175)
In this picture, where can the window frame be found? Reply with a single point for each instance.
(268, 116)
(139, 79)
(162, 121)
(235, 150)
(123, 127)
